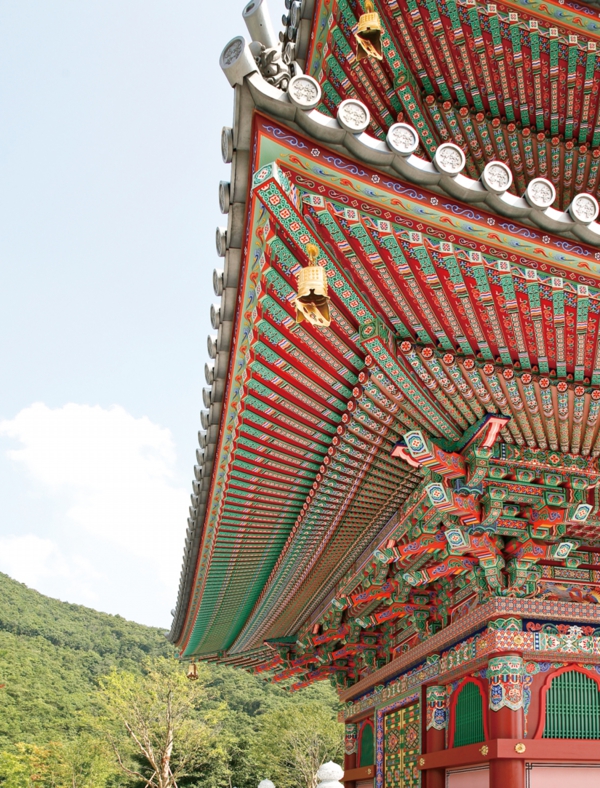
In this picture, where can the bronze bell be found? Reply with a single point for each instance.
(192, 672)
(312, 303)
(368, 34)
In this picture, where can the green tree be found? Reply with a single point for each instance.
(292, 741)
(83, 762)
(15, 770)
(29, 766)
(161, 726)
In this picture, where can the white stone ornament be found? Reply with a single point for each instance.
(221, 241)
(353, 116)
(266, 784)
(232, 51)
(497, 177)
(215, 315)
(289, 53)
(296, 13)
(227, 144)
(237, 61)
(329, 775)
(224, 196)
(584, 208)
(540, 193)
(211, 345)
(218, 281)
(449, 159)
(402, 139)
(304, 92)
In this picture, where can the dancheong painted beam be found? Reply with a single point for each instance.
(397, 478)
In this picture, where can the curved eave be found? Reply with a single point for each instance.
(243, 110)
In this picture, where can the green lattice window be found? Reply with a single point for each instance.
(572, 707)
(468, 716)
(367, 750)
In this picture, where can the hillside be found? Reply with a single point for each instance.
(53, 653)
(50, 655)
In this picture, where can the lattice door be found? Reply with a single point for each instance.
(402, 747)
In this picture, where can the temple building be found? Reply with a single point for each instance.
(396, 486)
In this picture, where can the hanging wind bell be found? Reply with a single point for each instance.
(312, 303)
(192, 672)
(368, 34)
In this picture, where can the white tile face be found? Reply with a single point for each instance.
(469, 777)
(561, 775)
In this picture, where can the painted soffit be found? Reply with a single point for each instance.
(276, 539)
(516, 82)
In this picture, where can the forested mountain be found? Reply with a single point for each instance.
(55, 660)
(51, 653)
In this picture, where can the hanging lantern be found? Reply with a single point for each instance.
(312, 303)
(192, 673)
(368, 34)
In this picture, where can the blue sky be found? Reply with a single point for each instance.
(109, 164)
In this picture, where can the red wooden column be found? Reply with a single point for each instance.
(506, 717)
(350, 750)
(435, 733)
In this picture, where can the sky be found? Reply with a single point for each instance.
(109, 170)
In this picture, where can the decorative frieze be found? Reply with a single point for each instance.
(437, 708)
(506, 676)
(351, 738)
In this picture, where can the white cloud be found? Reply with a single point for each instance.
(116, 474)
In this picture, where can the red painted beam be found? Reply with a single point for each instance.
(555, 750)
(361, 773)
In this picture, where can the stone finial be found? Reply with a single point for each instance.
(329, 775)
(266, 784)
